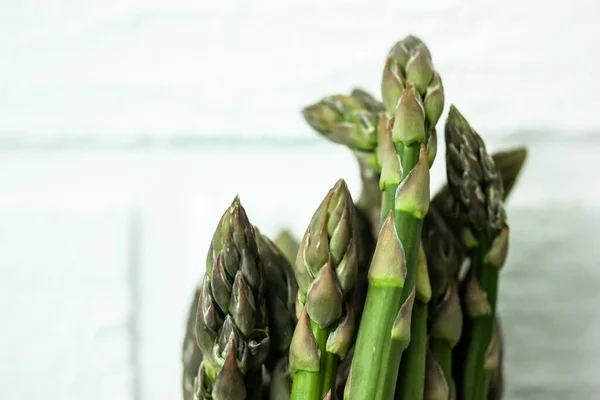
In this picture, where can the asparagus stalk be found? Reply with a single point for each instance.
(413, 134)
(444, 257)
(477, 190)
(411, 92)
(232, 321)
(326, 270)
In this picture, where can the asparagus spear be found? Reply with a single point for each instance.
(232, 322)
(346, 120)
(191, 354)
(413, 96)
(326, 270)
(509, 165)
(280, 387)
(444, 257)
(477, 190)
(288, 244)
(352, 120)
(280, 292)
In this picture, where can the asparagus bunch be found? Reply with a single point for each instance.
(393, 297)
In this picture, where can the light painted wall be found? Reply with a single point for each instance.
(101, 243)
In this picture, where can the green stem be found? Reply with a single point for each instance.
(442, 353)
(307, 384)
(304, 386)
(475, 379)
(381, 308)
(412, 377)
(389, 198)
(329, 371)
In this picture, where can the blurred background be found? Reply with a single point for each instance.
(128, 126)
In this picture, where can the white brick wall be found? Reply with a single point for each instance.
(115, 72)
(116, 69)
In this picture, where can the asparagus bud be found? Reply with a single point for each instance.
(232, 321)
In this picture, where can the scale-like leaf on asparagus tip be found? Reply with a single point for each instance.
(433, 103)
(448, 323)
(401, 327)
(304, 351)
(388, 265)
(392, 84)
(229, 384)
(208, 320)
(476, 299)
(368, 101)
(509, 165)
(324, 298)
(202, 384)
(422, 285)
(499, 250)
(391, 167)
(419, 68)
(412, 195)
(409, 118)
(400, 52)
(492, 357)
(432, 146)
(347, 385)
(347, 268)
(340, 340)
(328, 396)
(241, 306)
(323, 115)
(436, 387)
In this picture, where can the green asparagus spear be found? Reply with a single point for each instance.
(478, 192)
(280, 387)
(509, 165)
(280, 292)
(416, 114)
(288, 244)
(345, 120)
(232, 321)
(444, 257)
(326, 270)
(413, 96)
